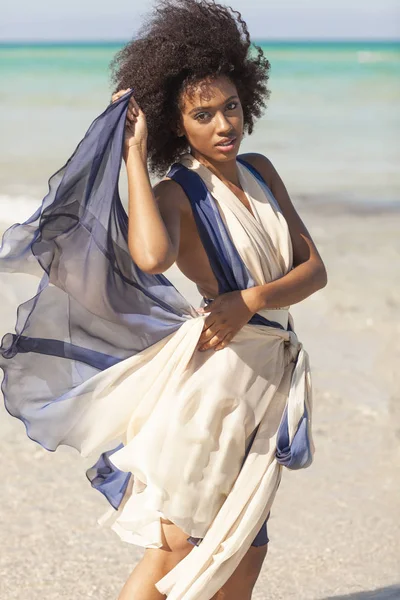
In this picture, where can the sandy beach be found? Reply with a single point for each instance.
(334, 528)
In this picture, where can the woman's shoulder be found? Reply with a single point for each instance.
(171, 195)
(261, 163)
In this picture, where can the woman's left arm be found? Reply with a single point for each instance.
(308, 274)
(231, 311)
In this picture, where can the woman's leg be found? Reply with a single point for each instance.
(156, 563)
(242, 581)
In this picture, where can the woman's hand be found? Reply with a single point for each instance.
(228, 313)
(136, 125)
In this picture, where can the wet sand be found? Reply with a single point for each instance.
(334, 527)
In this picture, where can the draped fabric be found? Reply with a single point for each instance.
(94, 307)
(104, 359)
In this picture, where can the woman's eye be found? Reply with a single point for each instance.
(204, 116)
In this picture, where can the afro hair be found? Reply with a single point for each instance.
(182, 43)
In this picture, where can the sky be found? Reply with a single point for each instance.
(266, 19)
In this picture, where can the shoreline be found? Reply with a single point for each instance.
(311, 205)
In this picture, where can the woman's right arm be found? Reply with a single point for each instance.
(153, 215)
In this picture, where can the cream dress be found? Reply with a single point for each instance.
(185, 416)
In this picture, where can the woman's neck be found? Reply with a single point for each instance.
(227, 171)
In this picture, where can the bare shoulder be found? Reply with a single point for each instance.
(267, 170)
(263, 165)
(304, 247)
(270, 175)
(172, 204)
(169, 194)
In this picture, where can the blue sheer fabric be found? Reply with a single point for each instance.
(94, 307)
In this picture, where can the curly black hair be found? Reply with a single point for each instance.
(182, 43)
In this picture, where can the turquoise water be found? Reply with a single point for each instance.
(331, 127)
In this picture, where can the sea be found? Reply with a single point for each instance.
(331, 127)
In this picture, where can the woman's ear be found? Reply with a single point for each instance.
(178, 129)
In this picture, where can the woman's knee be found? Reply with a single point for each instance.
(174, 539)
(253, 562)
(174, 549)
(242, 581)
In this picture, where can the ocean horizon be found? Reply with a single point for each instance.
(264, 41)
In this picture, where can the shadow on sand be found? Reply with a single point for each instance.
(387, 593)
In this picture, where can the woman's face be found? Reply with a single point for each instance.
(212, 114)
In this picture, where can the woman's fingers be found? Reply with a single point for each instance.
(118, 94)
(131, 116)
(218, 341)
(215, 334)
(136, 108)
(133, 109)
(225, 342)
(133, 112)
(207, 332)
(206, 335)
(213, 337)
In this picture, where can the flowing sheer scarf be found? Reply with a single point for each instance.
(93, 306)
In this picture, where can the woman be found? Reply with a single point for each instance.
(190, 394)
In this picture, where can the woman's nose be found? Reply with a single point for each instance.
(223, 125)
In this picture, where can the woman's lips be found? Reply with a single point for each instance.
(227, 147)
